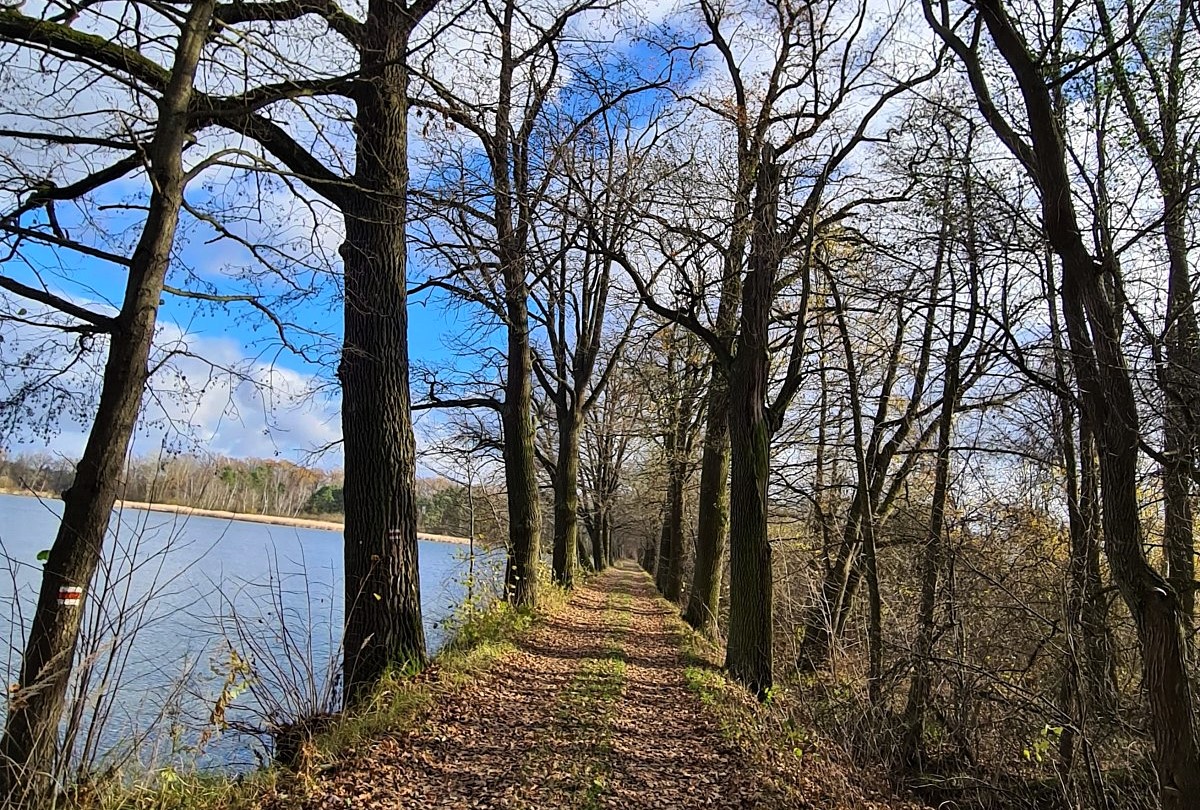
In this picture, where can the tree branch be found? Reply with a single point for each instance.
(102, 323)
(284, 10)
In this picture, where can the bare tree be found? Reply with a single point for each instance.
(487, 205)
(1157, 103)
(608, 443)
(31, 725)
(784, 249)
(383, 622)
(575, 305)
(956, 174)
(1092, 321)
(682, 381)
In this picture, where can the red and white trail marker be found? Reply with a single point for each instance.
(70, 595)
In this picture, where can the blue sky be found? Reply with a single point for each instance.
(185, 410)
(234, 418)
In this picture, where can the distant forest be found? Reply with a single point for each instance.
(252, 486)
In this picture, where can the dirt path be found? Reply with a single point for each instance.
(591, 711)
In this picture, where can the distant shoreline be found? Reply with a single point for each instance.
(274, 520)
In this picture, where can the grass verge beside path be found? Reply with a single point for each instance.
(795, 760)
(522, 735)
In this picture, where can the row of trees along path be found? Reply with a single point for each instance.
(836, 262)
(591, 709)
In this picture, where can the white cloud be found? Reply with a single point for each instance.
(208, 395)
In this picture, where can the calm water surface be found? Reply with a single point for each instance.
(186, 609)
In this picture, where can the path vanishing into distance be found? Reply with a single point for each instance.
(590, 711)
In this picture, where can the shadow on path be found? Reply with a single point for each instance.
(512, 738)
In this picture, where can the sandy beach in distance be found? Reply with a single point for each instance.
(275, 520)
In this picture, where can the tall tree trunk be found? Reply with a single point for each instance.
(682, 395)
(595, 527)
(704, 597)
(520, 461)
(1086, 609)
(650, 557)
(712, 531)
(509, 167)
(1098, 646)
(27, 749)
(674, 589)
(383, 596)
(1089, 683)
(662, 552)
(666, 550)
(668, 578)
(749, 652)
(931, 563)
(1181, 381)
(874, 616)
(933, 550)
(1170, 157)
(1108, 395)
(566, 498)
(609, 554)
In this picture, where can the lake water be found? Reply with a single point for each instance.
(211, 625)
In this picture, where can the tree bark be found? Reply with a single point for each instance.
(932, 556)
(510, 170)
(1181, 384)
(1093, 659)
(383, 606)
(595, 528)
(649, 559)
(662, 552)
(28, 747)
(1179, 375)
(749, 653)
(704, 597)
(668, 577)
(603, 473)
(933, 547)
(520, 461)
(609, 554)
(932, 553)
(566, 498)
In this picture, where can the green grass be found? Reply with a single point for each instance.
(480, 638)
(171, 789)
(743, 721)
(768, 732)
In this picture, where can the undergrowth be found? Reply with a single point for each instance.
(479, 636)
(799, 763)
